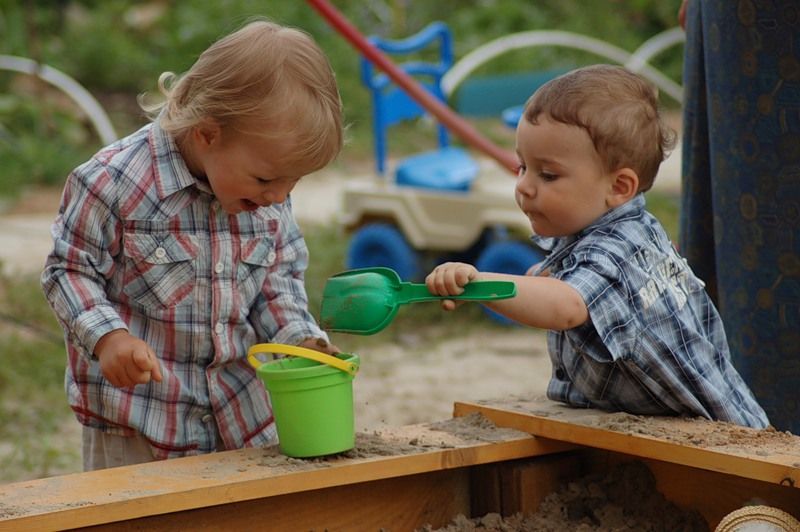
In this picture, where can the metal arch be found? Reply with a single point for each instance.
(636, 61)
(70, 87)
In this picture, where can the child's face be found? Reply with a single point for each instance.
(244, 170)
(561, 184)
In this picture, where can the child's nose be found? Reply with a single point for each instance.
(525, 187)
(276, 197)
(279, 193)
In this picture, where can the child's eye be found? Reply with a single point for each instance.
(521, 169)
(547, 176)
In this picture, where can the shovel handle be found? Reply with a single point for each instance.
(296, 350)
(473, 291)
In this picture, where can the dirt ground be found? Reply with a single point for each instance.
(402, 385)
(396, 385)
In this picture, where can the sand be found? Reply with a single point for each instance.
(625, 499)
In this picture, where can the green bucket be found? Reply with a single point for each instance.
(312, 398)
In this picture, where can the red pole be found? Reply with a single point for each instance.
(446, 116)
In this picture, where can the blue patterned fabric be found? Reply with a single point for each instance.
(740, 220)
(654, 343)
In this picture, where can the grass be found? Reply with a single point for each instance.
(33, 407)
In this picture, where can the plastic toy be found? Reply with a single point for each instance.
(365, 301)
(436, 205)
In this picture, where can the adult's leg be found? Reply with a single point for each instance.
(740, 224)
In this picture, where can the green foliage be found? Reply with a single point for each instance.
(120, 47)
(40, 138)
(665, 207)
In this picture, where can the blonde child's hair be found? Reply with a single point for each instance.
(617, 108)
(264, 79)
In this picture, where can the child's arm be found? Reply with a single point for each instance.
(541, 302)
(126, 360)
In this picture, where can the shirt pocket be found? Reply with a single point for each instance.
(256, 258)
(159, 269)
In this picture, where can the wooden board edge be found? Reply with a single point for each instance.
(636, 445)
(128, 504)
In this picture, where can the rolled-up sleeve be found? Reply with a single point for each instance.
(608, 300)
(86, 234)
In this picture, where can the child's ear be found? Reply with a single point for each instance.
(207, 133)
(624, 186)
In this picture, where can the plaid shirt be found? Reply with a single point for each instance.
(654, 342)
(141, 244)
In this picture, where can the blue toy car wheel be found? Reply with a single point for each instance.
(507, 257)
(382, 244)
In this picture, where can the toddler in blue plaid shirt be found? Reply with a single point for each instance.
(631, 327)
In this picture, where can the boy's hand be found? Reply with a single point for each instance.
(126, 360)
(448, 279)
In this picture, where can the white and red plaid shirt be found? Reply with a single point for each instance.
(141, 244)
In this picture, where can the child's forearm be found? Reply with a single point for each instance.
(541, 302)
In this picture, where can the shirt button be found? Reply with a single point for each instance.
(219, 267)
(206, 418)
(560, 374)
(161, 252)
(271, 257)
(218, 328)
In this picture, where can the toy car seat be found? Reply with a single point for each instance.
(447, 168)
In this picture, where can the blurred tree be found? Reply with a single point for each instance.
(118, 48)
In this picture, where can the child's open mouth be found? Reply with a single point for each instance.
(249, 205)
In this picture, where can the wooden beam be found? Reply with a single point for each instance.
(764, 455)
(223, 479)
(402, 503)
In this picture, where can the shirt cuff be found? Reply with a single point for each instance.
(295, 333)
(93, 324)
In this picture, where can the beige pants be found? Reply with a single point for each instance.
(101, 450)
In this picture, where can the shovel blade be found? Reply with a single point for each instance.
(357, 302)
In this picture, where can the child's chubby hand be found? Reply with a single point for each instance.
(318, 344)
(126, 360)
(448, 279)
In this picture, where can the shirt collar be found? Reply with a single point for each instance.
(171, 172)
(559, 247)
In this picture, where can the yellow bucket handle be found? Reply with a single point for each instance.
(296, 350)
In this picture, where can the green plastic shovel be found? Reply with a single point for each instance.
(365, 300)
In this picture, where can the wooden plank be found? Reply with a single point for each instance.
(764, 455)
(178, 485)
(402, 503)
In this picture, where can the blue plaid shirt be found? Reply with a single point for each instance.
(654, 343)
